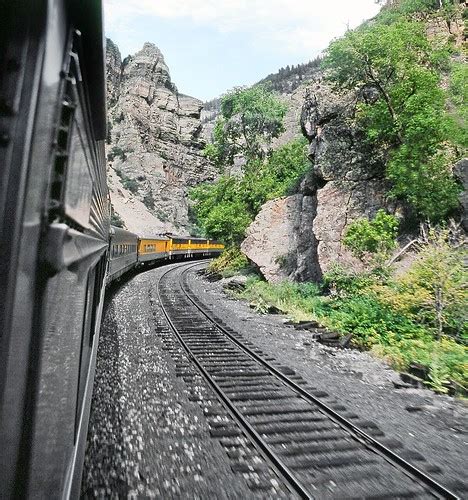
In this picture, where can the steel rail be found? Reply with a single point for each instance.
(376, 446)
(261, 445)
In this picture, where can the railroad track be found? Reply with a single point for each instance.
(317, 451)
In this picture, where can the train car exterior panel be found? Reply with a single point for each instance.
(153, 249)
(57, 241)
(123, 252)
(57, 250)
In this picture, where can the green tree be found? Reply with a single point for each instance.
(224, 209)
(220, 209)
(250, 119)
(458, 104)
(408, 116)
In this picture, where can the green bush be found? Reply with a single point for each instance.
(445, 359)
(116, 220)
(361, 308)
(433, 291)
(231, 262)
(458, 104)
(341, 282)
(298, 299)
(376, 236)
(149, 201)
(224, 209)
(371, 322)
(130, 184)
(116, 152)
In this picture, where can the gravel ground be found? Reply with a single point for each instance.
(153, 427)
(433, 425)
(148, 437)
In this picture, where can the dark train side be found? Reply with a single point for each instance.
(58, 250)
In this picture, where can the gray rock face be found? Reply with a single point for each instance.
(281, 241)
(155, 143)
(300, 237)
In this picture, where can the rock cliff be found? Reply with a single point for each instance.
(299, 236)
(154, 143)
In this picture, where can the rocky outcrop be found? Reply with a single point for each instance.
(280, 240)
(154, 141)
(300, 237)
(446, 29)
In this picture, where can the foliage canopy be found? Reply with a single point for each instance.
(376, 236)
(250, 119)
(225, 208)
(407, 117)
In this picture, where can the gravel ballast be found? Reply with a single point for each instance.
(146, 437)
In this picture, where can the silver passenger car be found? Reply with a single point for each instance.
(123, 252)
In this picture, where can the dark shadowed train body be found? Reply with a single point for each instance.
(58, 250)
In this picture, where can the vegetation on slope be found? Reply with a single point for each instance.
(250, 119)
(408, 115)
(419, 317)
(225, 208)
(417, 114)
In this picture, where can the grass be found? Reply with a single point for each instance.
(229, 263)
(375, 326)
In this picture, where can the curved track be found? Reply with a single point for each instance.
(317, 451)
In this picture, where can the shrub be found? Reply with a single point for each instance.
(434, 290)
(371, 322)
(445, 359)
(130, 184)
(375, 323)
(230, 262)
(376, 236)
(298, 299)
(116, 152)
(341, 282)
(458, 103)
(149, 201)
(116, 220)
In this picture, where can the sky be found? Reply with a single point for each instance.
(211, 46)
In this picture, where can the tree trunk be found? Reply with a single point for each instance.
(439, 306)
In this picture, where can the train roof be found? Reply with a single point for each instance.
(118, 233)
(156, 237)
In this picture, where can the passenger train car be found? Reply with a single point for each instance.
(130, 252)
(58, 250)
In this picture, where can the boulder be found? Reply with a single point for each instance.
(280, 240)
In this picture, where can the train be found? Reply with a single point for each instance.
(130, 252)
(58, 250)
